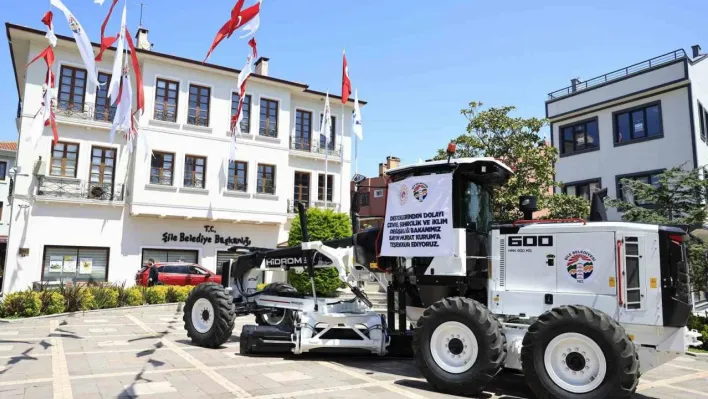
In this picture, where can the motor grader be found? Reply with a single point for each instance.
(582, 307)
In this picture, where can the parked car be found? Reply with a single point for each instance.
(178, 273)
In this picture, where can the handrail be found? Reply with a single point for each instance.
(619, 271)
(569, 220)
(610, 76)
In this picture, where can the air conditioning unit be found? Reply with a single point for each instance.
(39, 167)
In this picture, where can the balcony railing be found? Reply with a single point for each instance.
(165, 114)
(267, 187)
(198, 117)
(79, 189)
(292, 205)
(237, 186)
(86, 111)
(306, 145)
(268, 131)
(614, 75)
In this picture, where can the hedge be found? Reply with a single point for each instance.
(47, 301)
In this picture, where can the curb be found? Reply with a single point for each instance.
(177, 306)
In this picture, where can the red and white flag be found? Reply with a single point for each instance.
(123, 121)
(346, 83)
(47, 20)
(247, 19)
(116, 75)
(82, 41)
(236, 119)
(106, 42)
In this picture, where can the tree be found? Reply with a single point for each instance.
(678, 198)
(516, 141)
(322, 225)
(562, 206)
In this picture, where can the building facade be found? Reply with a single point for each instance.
(631, 123)
(87, 209)
(372, 194)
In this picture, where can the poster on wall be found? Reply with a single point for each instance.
(85, 265)
(419, 217)
(55, 264)
(69, 264)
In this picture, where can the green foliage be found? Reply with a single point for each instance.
(326, 281)
(52, 302)
(21, 304)
(104, 297)
(516, 141)
(77, 298)
(322, 225)
(700, 324)
(156, 294)
(133, 297)
(177, 294)
(260, 286)
(678, 199)
(562, 206)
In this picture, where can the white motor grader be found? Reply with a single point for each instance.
(581, 307)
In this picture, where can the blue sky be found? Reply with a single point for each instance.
(416, 63)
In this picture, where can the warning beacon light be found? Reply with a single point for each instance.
(451, 150)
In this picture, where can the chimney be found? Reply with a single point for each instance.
(142, 38)
(382, 169)
(262, 66)
(574, 84)
(696, 50)
(392, 162)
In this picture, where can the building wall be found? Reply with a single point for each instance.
(610, 161)
(9, 158)
(140, 217)
(698, 73)
(660, 76)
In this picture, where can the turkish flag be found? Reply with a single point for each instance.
(237, 20)
(346, 83)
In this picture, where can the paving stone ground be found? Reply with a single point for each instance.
(146, 353)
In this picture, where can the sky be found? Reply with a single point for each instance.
(416, 63)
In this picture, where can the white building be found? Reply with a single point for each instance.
(634, 122)
(89, 201)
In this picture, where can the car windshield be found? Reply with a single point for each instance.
(476, 207)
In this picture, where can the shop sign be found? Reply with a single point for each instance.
(210, 236)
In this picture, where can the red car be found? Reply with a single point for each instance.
(178, 273)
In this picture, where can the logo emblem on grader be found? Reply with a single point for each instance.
(580, 265)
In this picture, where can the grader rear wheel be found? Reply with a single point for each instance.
(579, 352)
(459, 346)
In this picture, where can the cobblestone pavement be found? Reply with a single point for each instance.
(146, 353)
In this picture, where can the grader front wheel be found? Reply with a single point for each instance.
(209, 315)
(459, 346)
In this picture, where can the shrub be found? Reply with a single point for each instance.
(326, 281)
(183, 292)
(133, 297)
(322, 225)
(77, 298)
(52, 302)
(21, 304)
(156, 294)
(104, 297)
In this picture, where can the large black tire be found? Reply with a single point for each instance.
(221, 312)
(490, 341)
(277, 317)
(620, 356)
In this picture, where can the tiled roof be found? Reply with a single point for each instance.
(8, 146)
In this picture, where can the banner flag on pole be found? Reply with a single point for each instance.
(116, 75)
(357, 128)
(82, 41)
(346, 83)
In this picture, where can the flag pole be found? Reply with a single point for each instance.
(341, 174)
(356, 155)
